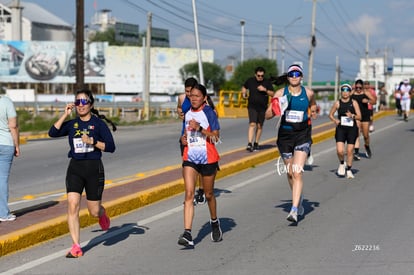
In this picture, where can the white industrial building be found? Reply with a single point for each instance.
(36, 24)
(376, 70)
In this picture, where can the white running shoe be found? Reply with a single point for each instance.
(10, 217)
(349, 174)
(293, 216)
(309, 160)
(371, 128)
(341, 170)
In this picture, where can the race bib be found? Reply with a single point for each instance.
(347, 121)
(195, 139)
(293, 116)
(81, 147)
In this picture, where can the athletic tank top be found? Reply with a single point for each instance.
(295, 116)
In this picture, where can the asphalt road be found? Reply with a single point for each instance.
(359, 226)
(38, 175)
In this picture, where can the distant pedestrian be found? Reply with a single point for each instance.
(294, 136)
(9, 148)
(371, 107)
(406, 92)
(346, 130)
(88, 137)
(259, 89)
(397, 96)
(200, 157)
(362, 94)
(383, 98)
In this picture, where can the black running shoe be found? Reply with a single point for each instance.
(216, 234)
(357, 157)
(256, 146)
(200, 197)
(249, 147)
(368, 152)
(186, 239)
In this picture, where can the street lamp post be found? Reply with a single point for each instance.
(242, 22)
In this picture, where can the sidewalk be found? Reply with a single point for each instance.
(48, 220)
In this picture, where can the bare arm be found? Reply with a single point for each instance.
(244, 92)
(179, 106)
(332, 112)
(269, 112)
(68, 109)
(358, 115)
(372, 99)
(312, 103)
(14, 131)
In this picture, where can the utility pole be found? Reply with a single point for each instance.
(313, 44)
(366, 56)
(147, 68)
(16, 11)
(269, 45)
(337, 79)
(80, 70)
(197, 38)
(242, 41)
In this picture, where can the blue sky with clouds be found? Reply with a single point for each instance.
(342, 28)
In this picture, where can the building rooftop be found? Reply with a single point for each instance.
(37, 14)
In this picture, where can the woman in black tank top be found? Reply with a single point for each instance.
(346, 129)
(363, 97)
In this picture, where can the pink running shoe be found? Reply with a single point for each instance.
(75, 252)
(104, 220)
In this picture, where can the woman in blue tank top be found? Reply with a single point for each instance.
(294, 135)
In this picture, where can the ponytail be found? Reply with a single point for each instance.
(96, 112)
(279, 80)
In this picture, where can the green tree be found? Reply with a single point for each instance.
(105, 36)
(110, 37)
(213, 74)
(246, 70)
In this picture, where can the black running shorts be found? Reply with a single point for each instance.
(88, 175)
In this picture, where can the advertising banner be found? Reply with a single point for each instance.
(47, 61)
(126, 69)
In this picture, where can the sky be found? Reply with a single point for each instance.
(343, 28)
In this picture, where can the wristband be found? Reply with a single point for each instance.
(94, 142)
(200, 129)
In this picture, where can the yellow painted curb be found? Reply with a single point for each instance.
(38, 233)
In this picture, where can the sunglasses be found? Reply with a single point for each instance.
(294, 74)
(260, 75)
(84, 101)
(346, 89)
(358, 87)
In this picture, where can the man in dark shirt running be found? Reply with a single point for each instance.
(258, 98)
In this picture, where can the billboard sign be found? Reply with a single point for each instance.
(165, 78)
(48, 61)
